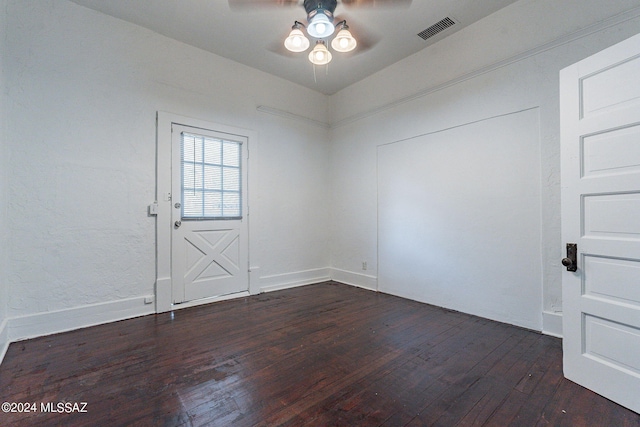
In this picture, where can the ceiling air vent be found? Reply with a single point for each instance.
(436, 28)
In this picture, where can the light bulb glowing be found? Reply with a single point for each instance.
(296, 42)
(320, 55)
(321, 24)
(344, 41)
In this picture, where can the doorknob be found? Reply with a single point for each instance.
(177, 223)
(571, 260)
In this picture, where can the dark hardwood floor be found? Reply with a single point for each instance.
(321, 355)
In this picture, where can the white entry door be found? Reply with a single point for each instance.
(600, 121)
(209, 239)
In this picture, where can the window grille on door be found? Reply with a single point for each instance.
(211, 178)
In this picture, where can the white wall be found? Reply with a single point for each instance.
(294, 213)
(501, 65)
(4, 164)
(459, 209)
(83, 90)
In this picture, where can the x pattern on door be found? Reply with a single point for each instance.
(211, 254)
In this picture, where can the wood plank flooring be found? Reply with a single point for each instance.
(320, 355)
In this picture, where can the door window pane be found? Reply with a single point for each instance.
(211, 178)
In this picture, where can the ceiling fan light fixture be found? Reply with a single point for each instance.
(320, 23)
(320, 55)
(296, 42)
(344, 41)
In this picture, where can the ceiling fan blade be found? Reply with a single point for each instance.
(376, 3)
(245, 4)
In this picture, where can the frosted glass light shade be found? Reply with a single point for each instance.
(320, 26)
(296, 42)
(344, 41)
(320, 55)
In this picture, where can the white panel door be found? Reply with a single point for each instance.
(600, 120)
(209, 244)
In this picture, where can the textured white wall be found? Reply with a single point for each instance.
(459, 219)
(439, 88)
(83, 91)
(293, 190)
(4, 164)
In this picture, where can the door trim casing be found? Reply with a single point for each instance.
(163, 285)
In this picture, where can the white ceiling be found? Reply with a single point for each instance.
(254, 35)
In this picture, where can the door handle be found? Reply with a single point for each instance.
(177, 223)
(571, 260)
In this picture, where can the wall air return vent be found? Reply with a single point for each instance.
(436, 28)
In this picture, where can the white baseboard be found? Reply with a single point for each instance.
(292, 280)
(552, 323)
(53, 322)
(4, 338)
(355, 279)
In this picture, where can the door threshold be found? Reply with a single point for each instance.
(208, 300)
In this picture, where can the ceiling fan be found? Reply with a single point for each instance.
(320, 25)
